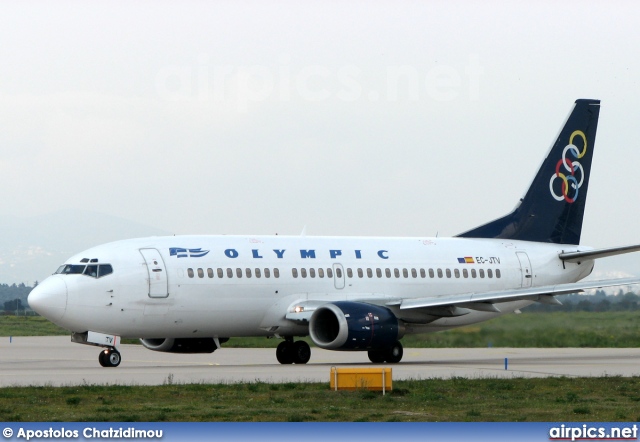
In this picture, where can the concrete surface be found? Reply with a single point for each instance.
(56, 361)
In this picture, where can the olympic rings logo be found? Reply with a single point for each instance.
(568, 170)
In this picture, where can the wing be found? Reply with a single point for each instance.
(487, 301)
(454, 305)
(302, 309)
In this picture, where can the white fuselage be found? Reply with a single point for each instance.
(217, 286)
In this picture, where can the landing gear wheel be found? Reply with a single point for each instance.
(394, 353)
(376, 356)
(284, 352)
(301, 352)
(102, 358)
(109, 357)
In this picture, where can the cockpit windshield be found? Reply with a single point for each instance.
(92, 270)
(71, 269)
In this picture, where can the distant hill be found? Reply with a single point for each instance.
(32, 248)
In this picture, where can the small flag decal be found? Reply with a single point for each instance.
(466, 260)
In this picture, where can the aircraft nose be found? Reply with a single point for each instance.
(49, 298)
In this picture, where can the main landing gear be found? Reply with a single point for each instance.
(289, 352)
(109, 357)
(391, 355)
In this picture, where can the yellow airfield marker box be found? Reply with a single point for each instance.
(378, 379)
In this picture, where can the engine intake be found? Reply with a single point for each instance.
(182, 345)
(346, 325)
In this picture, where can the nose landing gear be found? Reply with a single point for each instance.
(109, 357)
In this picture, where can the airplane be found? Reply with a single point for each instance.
(190, 294)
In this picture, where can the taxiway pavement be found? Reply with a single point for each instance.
(56, 361)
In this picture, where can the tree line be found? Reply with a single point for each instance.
(597, 302)
(13, 298)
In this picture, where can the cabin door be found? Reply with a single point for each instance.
(525, 268)
(158, 282)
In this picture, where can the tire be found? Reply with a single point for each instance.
(102, 358)
(376, 356)
(394, 353)
(110, 358)
(301, 352)
(284, 352)
(114, 358)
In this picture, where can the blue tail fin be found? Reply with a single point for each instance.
(553, 208)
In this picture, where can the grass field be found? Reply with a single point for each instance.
(457, 399)
(511, 400)
(561, 329)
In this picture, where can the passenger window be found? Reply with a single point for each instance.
(497, 273)
(338, 272)
(239, 272)
(431, 275)
(423, 273)
(92, 271)
(387, 273)
(312, 273)
(210, 273)
(190, 273)
(248, 272)
(414, 274)
(481, 273)
(369, 273)
(104, 270)
(321, 272)
(465, 273)
(456, 273)
(257, 272)
(405, 273)
(360, 275)
(220, 273)
(490, 273)
(267, 273)
(349, 272)
(396, 273)
(276, 273)
(294, 272)
(200, 273)
(329, 272)
(473, 273)
(448, 271)
(439, 273)
(303, 272)
(229, 273)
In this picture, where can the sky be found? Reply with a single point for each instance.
(404, 118)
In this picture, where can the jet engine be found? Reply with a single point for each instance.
(346, 325)
(182, 345)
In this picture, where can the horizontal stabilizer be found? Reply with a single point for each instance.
(599, 253)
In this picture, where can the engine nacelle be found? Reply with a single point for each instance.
(182, 345)
(348, 325)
